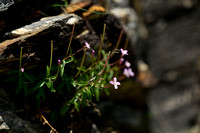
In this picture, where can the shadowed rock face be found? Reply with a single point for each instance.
(36, 39)
(5, 4)
(173, 56)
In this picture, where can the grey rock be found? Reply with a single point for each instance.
(16, 124)
(153, 9)
(3, 126)
(173, 57)
(127, 16)
(122, 116)
(36, 39)
(46, 23)
(5, 4)
(177, 45)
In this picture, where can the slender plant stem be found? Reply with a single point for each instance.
(126, 43)
(81, 63)
(51, 55)
(74, 53)
(20, 59)
(106, 62)
(119, 39)
(102, 39)
(70, 40)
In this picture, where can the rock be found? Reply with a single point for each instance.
(14, 124)
(173, 56)
(117, 117)
(122, 116)
(180, 48)
(45, 24)
(127, 16)
(36, 39)
(10, 122)
(155, 9)
(3, 126)
(5, 4)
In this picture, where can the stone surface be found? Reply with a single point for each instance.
(3, 126)
(155, 9)
(16, 124)
(5, 4)
(173, 56)
(10, 122)
(128, 18)
(36, 39)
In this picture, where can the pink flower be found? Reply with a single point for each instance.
(127, 64)
(124, 52)
(87, 45)
(22, 69)
(115, 83)
(93, 53)
(58, 61)
(128, 72)
(121, 60)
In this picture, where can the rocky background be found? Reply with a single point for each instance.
(164, 50)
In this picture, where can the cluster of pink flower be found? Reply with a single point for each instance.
(127, 71)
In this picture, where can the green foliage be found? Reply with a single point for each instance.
(78, 89)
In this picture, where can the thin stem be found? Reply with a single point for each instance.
(51, 55)
(126, 43)
(81, 63)
(20, 62)
(116, 62)
(119, 39)
(102, 39)
(106, 62)
(70, 40)
(74, 53)
(20, 59)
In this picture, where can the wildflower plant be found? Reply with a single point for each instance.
(82, 87)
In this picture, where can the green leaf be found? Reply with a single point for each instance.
(60, 86)
(57, 5)
(74, 83)
(62, 67)
(26, 91)
(74, 59)
(84, 100)
(12, 78)
(67, 81)
(89, 94)
(52, 88)
(49, 84)
(20, 85)
(54, 115)
(77, 105)
(39, 85)
(48, 71)
(82, 83)
(64, 109)
(97, 93)
(12, 72)
(29, 77)
(40, 94)
(106, 91)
